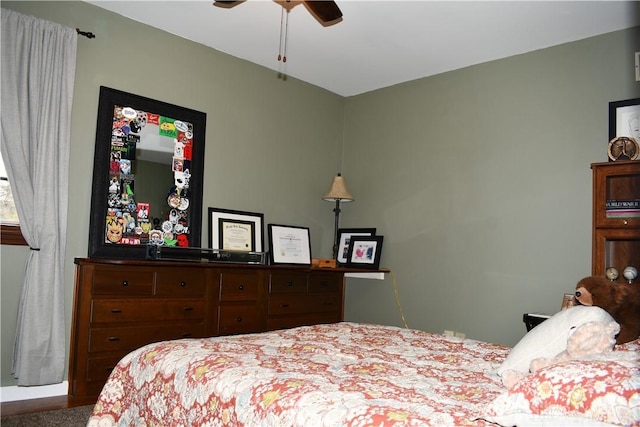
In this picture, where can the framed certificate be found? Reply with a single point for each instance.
(289, 244)
(235, 230)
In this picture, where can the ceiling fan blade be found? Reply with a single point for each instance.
(327, 12)
(227, 4)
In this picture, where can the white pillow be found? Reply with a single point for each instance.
(550, 337)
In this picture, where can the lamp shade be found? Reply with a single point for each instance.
(338, 191)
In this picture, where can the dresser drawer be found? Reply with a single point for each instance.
(99, 368)
(122, 282)
(181, 282)
(238, 319)
(301, 304)
(328, 283)
(239, 286)
(289, 283)
(144, 310)
(129, 338)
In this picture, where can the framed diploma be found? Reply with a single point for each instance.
(235, 230)
(289, 244)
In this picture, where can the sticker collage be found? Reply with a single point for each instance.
(132, 220)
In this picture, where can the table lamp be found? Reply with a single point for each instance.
(337, 193)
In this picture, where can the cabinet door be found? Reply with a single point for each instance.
(618, 248)
(616, 195)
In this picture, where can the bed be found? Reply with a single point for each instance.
(345, 374)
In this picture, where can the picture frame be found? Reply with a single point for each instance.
(235, 230)
(289, 245)
(568, 300)
(132, 169)
(624, 119)
(344, 238)
(364, 252)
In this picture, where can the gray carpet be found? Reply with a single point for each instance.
(70, 417)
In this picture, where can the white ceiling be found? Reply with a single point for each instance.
(381, 43)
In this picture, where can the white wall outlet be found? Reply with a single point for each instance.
(638, 66)
(449, 333)
(460, 335)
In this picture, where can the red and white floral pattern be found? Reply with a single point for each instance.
(344, 374)
(603, 388)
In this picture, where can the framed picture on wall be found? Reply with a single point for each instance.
(344, 238)
(624, 130)
(364, 252)
(233, 230)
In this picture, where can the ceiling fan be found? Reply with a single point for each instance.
(326, 12)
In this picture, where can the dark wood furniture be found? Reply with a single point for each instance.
(120, 305)
(531, 320)
(616, 216)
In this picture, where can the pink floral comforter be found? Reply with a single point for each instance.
(343, 374)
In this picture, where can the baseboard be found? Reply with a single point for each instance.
(13, 393)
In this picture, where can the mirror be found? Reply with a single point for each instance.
(147, 176)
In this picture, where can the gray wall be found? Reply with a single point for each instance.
(478, 178)
(480, 181)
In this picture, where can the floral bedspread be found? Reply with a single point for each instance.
(344, 374)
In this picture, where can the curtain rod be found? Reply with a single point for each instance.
(86, 34)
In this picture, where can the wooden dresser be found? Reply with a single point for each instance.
(120, 305)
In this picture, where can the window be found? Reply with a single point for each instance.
(10, 233)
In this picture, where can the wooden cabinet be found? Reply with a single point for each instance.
(121, 305)
(616, 216)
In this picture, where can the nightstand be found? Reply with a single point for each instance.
(531, 320)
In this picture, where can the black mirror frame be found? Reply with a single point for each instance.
(109, 98)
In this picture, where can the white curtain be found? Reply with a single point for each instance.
(38, 70)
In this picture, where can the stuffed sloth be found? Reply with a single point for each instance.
(620, 300)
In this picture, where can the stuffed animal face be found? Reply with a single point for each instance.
(592, 338)
(599, 291)
(620, 300)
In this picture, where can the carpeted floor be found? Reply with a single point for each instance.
(70, 417)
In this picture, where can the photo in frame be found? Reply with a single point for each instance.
(289, 244)
(364, 252)
(624, 130)
(234, 230)
(568, 300)
(344, 238)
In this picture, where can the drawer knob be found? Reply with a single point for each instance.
(238, 319)
(188, 308)
(116, 310)
(186, 335)
(125, 283)
(183, 283)
(290, 284)
(241, 287)
(324, 284)
(284, 305)
(114, 339)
